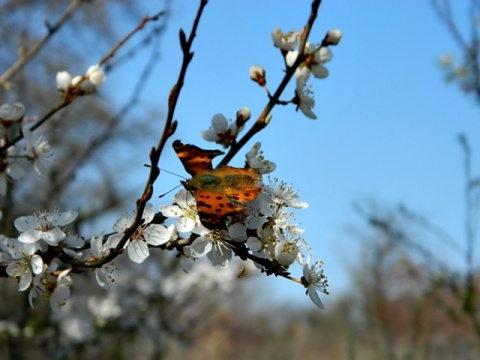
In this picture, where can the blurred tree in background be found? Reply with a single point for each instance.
(422, 303)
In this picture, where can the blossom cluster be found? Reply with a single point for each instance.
(314, 57)
(81, 84)
(29, 257)
(22, 257)
(267, 232)
(311, 62)
(42, 258)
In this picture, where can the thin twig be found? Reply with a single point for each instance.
(30, 54)
(139, 27)
(436, 230)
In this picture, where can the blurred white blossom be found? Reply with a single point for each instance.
(13, 112)
(96, 75)
(38, 150)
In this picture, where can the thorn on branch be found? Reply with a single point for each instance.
(173, 128)
(157, 16)
(49, 27)
(183, 40)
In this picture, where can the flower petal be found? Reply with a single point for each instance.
(30, 236)
(156, 234)
(138, 251)
(53, 236)
(220, 258)
(312, 293)
(320, 71)
(219, 123)
(64, 218)
(185, 225)
(201, 246)
(59, 298)
(36, 263)
(171, 211)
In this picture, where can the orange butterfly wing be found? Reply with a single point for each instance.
(218, 192)
(194, 159)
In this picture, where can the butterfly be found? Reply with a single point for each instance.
(219, 192)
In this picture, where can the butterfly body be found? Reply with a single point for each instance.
(220, 192)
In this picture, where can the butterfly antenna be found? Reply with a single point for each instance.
(168, 192)
(172, 173)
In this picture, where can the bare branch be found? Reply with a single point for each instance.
(35, 49)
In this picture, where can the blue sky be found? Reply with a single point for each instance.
(387, 122)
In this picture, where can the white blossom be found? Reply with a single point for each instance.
(285, 252)
(38, 288)
(306, 102)
(288, 41)
(24, 264)
(185, 211)
(44, 226)
(256, 160)
(221, 131)
(315, 281)
(61, 292)
(213, 245)
(284, 194)
(13, 112)
(38, 149)
(72, 245)
(316, 57)
(146, 234)
(106, 274)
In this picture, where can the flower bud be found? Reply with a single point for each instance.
(76, 80)
(333, 37)
(257, 74)
(242, 116)
(64, 79)
(87, 87)
(96, 75)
